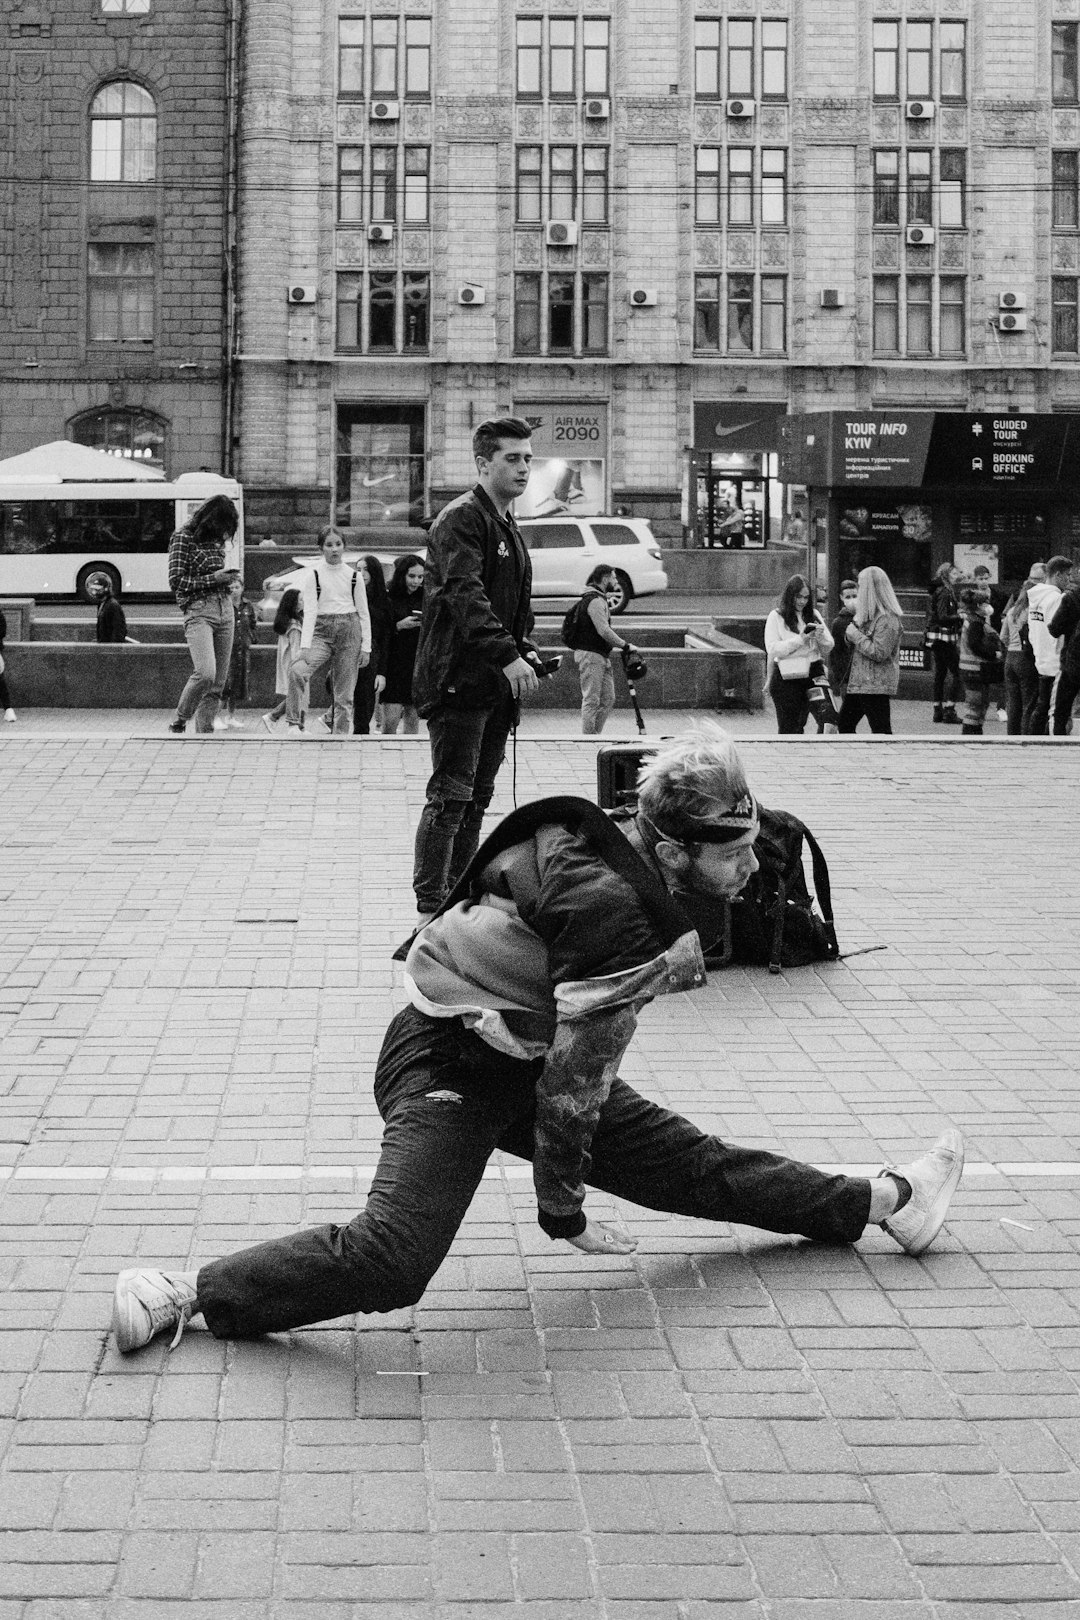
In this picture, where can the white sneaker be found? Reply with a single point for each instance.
(147, 1303)
(220, 723)
(267, 720)
(234, 723)
(1003, 715)
(10, 716)
(933, 1180)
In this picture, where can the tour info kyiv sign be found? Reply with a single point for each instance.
(930, 449)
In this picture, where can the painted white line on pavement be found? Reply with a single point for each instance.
(147, 1174)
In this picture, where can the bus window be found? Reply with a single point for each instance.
(27, 528)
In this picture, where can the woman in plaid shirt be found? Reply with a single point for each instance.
(200, 582)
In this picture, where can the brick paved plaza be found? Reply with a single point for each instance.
(724, 1426)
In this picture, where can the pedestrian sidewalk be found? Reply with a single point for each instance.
(195, 975)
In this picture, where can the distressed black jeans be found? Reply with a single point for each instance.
(448, 1101)
(467, 748)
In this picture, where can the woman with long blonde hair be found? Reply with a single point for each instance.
(874, 634)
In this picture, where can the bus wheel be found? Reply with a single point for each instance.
(94, 575)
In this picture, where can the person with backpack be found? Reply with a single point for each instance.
(980, 656)
(336, 631)
(1065, 624)
(943, 626)
(523, 992)
(1021, 676)
(1044, 600)
(586, 630)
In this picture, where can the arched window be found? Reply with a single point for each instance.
(123, 431)
(123, 133)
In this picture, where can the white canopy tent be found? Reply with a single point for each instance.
(67, 463)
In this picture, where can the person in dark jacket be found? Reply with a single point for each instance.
(371, 678)
(111, 622)
(842, 652)
(473, 660)
(943, 626)
(592, 643)
(981, 653)
(406, 599)
(523, 995)
(1065, 622)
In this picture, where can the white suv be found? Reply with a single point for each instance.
(565, 550)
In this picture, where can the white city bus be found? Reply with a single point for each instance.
(57, 538)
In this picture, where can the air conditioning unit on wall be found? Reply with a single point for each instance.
(920, 235)
(380, 233)
(920, 109)
(561, 232)
(470, 293)
(832, 298)
(301, 292)
(598, 107)
(1007, 322)
(385, 112)
(643, 297)
(1011, 300)
(740, 107)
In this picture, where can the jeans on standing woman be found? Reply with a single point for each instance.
(1021, 691)
(337, 640)
(791, 700)
(873, 706)
(467, 748)
(447, 1101)
(946, 660)
(209, 623)
(597, 690)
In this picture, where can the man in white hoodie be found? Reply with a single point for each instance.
(1042, 605)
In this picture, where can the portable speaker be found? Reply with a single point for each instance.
(617, 766)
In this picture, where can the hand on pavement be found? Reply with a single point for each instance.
(522, 677)
(598, 1238)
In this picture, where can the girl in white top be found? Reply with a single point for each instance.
(337, 631)
(796, 636)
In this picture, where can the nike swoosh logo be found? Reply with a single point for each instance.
(740, 427)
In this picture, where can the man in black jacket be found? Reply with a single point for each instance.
(1066, 623)
(472, 662)
(111, 622)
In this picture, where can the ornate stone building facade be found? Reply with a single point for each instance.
(114, 134)
(650, 226)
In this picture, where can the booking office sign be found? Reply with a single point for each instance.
(946, 449)
(569, 469)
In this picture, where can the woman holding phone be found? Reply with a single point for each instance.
(406, 594)
(796, 638)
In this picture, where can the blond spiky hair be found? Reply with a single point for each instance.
(691, 779)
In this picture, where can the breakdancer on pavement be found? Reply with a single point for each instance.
(523, 992)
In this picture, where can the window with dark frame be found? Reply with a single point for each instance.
(383, 192)
(887, 188)
(127, 8)
(740, 185)
(529, 44)
(562, 51)
(562, 182)
(774, 56)
(952, 171)
(529, 190)
(886, 314)
(1063, 63)
(773, 314)
(350, 57)
(707, 312)
(594, 180)
(707, 59)
(560, 304)
(123, 134)
(527, 312)
(348, 309)
(350, 185)
(920, 194)
(561, 314)
(120, 293)
(418, 58)
(384, 56)
(1063, 317)
(417, 185)
(952, 61)
(382, 311)
(952, 324)
(1066, 174)
(596, 55)
(124, 431)
(740, 314)
(740, 56)
(707, 189)
(416, 309)
(919, 59)
(594, 313)
(886, 61)
(773, 186)
(920, 298)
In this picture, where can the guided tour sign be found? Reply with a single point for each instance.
(931, 449)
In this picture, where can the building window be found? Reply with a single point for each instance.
(919, 317)
(596, 53)
(1063, 314)
(527, 313)
(529, 185)
(1063, 53)
(953, 336)
(418, 57)
(774, 48)
(134, 435)
(567, 314)
(120, 288)
(382, 311)
(123, 133)
(740, 58)
(529, 45)
(562, 182)
(128, 8)
(886, 314)
(706, 59)
(919, 64)
(383, 183)
(379, 310)
(384, 54)
(707, 312)
(952, 61)
(594, 177)
(920, 202)
(562, 35)
(417, 185)
(773, 186)
(886, 60)
(740, 185)
(740, 315)
(952, 168)
(1065, 175)
(708, 185)
(886, 188)
(350, 186)
(773, 314)
(350, 56)
(380, 464)
(350, 285)
(416, 306)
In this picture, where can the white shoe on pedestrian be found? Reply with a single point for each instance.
(220, 723)
(10, 716)
(267, 720)
(235, 723)
(1003, 715)
(294, 731)
(933, 1179)
(147, 1303)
